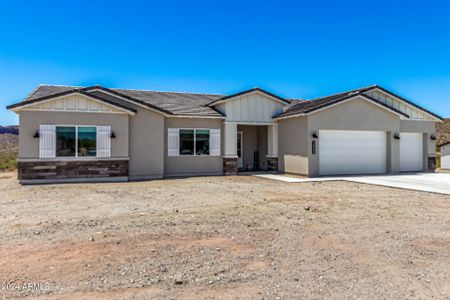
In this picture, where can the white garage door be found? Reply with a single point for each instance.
(352, 152)
(411, 152)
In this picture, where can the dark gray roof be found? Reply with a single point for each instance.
(314, 104)
(176, 103)
(318, 103)
(201, 104)
(167, 102)
(45, 90)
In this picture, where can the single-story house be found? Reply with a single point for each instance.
(96, 133)
(445, 156)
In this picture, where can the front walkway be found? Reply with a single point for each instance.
(425, 182)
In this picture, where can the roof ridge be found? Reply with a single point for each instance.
(61, 85)
(190, 93)
(346, 92)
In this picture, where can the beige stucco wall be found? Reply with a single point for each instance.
(146, 142)
(293, 145)
(295, 134)
(358, 114)
(29, 122)
(192, 165)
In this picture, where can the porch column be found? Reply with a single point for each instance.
(272, 147)
(230, 154)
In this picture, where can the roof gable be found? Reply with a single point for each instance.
(389, 98)
(250, 91)
(310, 106)
(59, 101)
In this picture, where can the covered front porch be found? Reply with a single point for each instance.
(250, 147)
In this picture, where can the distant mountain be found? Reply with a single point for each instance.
(13, 129)
(443, 132)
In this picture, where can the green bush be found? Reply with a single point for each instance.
(8, 161)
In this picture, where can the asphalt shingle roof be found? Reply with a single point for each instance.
(176, 103)
(201, 104)
(169, 102)
(306, 106)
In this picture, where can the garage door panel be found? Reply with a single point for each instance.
(352, 152)
(411, 152)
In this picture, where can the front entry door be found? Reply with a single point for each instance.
(240, 150)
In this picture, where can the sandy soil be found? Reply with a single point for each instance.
(237, 237)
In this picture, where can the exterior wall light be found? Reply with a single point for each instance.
(113, 135)
(433, 137)
(315, 135)
(36, 134)
(397, 136)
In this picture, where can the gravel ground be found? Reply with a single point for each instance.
(237, 237)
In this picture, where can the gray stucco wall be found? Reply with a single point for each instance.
(192, 165)
(29, 122)
(293, 145)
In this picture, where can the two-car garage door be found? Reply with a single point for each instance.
(352, 152)
(364, 152)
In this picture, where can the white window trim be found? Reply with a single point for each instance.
(76, 142)
(195, 142)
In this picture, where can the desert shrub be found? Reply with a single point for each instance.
(8, 161)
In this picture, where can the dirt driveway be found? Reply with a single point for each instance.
(222, 237)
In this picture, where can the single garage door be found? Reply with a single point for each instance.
(411, 152)
(352, 152)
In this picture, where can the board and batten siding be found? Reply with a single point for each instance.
(251, 108)
(75, 102)
(410, 110)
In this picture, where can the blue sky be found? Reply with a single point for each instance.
(301, 49)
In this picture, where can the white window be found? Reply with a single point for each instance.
(193, 142)
(74, 141)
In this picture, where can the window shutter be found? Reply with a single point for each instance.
(47, 141)
(173, 142)
(103, 141)
(214, 145)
